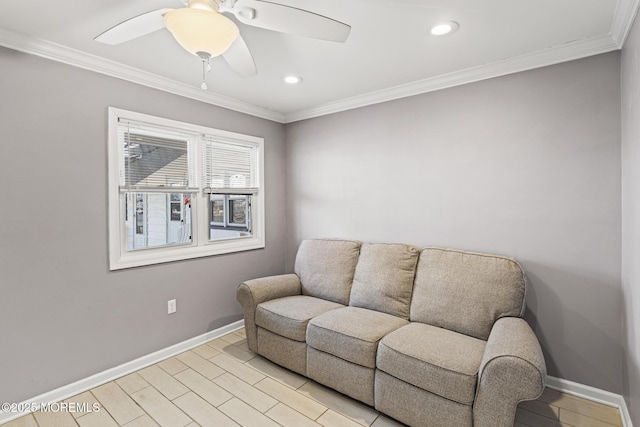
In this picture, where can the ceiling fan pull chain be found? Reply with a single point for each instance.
(206, 67)
(203, 86)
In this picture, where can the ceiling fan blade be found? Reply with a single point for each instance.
(240, 59)
(133, 28)
(286, 19)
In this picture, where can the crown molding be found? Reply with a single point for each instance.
(76, 58)
(550, 56)
(622, 21)
(623, 18)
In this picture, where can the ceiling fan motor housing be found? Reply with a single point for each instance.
(211, 5)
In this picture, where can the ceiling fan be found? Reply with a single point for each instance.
(201, 29)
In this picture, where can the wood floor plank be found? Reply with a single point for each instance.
(132, 383)
(236, 351)
(83, 401)
(219, 344)
(160, 408)
(143, 421)
(246, 415)
(54, 419)
(242, 341)
(97, 419)
(598, 411)
(580, 420)
(359, 412)
(549, 395)
(26, 421)
(334, 419)
(278, 373)
(172, 365)
(303, 404)
(205, 351)
(203, 387)
(535, 420)
(244, 346)
(287, 417)
(163, 382)
(239, 369)
(541, 408)
(384, 421)
(200, 365)
(606, 414)
(121, 407)
(202, 412)
(245, 392)
(231, 338)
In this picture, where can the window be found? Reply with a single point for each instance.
(179, 191)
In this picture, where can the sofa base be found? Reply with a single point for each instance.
(416, 407)
(284, 351)
(348, 378)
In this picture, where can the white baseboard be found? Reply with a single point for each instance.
(100, 378)
(593, 394)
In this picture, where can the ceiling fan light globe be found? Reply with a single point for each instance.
(199, 30)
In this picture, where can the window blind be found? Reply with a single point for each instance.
(229, 167)
(155, 159)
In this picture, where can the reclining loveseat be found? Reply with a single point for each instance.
(431, 337)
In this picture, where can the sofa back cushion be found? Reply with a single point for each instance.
(384, 278)
(466, 292)
(326, 268)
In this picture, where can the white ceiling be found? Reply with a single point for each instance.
(389, 53)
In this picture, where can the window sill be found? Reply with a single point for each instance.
(162, 255)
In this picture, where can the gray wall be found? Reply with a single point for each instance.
(64, 316)
(526, 165)
(631, 219)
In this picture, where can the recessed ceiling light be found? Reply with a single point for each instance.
(444, 28)
(292, 79)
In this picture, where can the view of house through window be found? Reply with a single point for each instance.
(177, 189)
(155, 160)
(230, 215)
(157, 219)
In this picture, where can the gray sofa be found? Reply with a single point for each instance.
(432, 337)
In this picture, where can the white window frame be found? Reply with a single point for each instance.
(201, 246)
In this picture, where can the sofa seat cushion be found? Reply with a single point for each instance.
(289, 316)
(351, 333)
(440, 361)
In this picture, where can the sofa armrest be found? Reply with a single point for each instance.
(512, 370)
(256, 291)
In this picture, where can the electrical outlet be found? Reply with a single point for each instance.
(171, 306)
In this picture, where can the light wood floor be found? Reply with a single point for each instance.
(223, 384)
